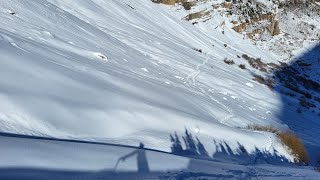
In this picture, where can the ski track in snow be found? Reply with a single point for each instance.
(192, 80)
(193, 76)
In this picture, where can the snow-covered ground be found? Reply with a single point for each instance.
(24, 158)
(124, 72)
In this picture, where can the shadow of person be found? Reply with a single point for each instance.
(142, 162)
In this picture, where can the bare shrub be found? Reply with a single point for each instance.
(228, 61)
(260, 79)
(169, 2)
(304, 102)
(188, 5)
(197, 15)
(199, 50)
(258, 64)
(242, 66)
(267, 128)
(288, 139)
(268, 81)
(293, 142)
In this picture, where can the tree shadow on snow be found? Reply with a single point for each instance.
(224, 153)
(201, 163)
(195, 159)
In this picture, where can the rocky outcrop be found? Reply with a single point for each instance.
(253, 34)
(241, 27)
(272, 25)
(197, 15)
(227, 5)
(169, 2)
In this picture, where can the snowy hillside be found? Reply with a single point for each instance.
(124, 72)
(26, 158)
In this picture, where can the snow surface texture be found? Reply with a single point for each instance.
(128, 72)
(46, 159)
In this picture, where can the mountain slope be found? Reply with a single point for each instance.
(129, 72)
(26, 157)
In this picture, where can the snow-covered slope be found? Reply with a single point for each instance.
(129, 72)
(25, 158)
